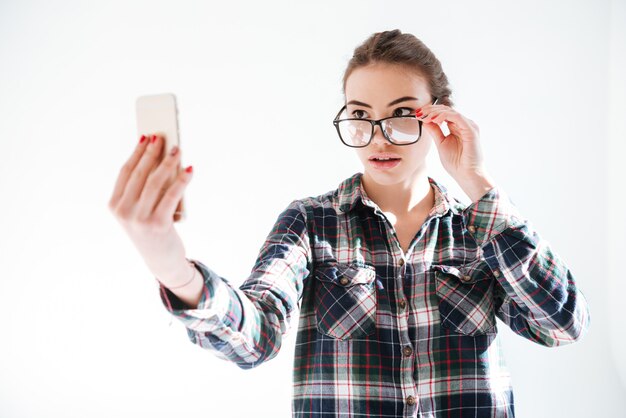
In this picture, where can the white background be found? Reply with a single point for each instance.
(82, 329)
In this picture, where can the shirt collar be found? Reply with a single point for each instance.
(351, 192)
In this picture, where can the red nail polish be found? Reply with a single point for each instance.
(153, 138)
(418, 114)
(143, 138)
(189, 169)
(418, 110)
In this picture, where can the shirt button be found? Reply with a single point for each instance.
(401, 261)
(496, 273)
(471, 228)
(410, 400)
(407, 351)
(344, 281)
(466, 278)
(402, 303)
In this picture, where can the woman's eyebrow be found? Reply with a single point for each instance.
(401, 99)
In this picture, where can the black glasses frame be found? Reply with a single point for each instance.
(379, 123)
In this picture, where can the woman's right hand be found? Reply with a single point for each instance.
(144, 203)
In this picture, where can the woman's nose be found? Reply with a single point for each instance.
(378, 135)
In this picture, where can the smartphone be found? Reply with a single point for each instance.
(158, 114)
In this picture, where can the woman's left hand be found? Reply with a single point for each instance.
(460, 152)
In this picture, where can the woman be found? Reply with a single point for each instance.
(398, 284)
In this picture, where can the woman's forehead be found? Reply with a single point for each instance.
(384, 83)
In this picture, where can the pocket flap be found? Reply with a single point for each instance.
(346, 275)
(466, 273)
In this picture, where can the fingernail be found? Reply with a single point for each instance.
(418, 114)
(143, 138)
(418, 110)
(189, 169)
(153, 138)
(174, 150)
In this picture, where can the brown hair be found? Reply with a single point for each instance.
(395, 47)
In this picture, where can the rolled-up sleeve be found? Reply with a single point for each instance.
(537, 294)
(245, 325)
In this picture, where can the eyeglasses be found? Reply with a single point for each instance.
(399, 130)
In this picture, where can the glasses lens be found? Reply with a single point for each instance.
(402, 130)
(355, 132)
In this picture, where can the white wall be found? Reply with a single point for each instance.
(83, 330)
(616, 169)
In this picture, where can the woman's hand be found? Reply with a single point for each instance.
(459, 151)
(144, 203)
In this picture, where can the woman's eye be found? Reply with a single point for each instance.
(359, 114)
(399, 111)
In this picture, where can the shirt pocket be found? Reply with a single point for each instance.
(466, 299)
(345, 300)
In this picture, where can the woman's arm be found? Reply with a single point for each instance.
(535, 290)
(245, 325)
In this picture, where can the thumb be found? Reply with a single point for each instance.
(436, 133)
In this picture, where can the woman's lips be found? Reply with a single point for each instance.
(384, 165)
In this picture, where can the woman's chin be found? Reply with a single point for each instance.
(386, 177)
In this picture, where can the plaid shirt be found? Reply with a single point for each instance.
(387, 334)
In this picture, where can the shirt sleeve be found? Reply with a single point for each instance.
(245, 325)
(536, 292)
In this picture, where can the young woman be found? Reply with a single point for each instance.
(398, 284)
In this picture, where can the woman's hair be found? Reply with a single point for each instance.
(395, 47)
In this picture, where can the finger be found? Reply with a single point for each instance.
(436, 132)
(426, 112)
(429, 108)
(166, 207)
(157, 184)
(126, 171)
(439, 117)
(146, 165)
(450, 116)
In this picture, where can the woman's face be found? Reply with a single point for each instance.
(381, 90)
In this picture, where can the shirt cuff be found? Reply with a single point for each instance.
(214, 305)
(493, 213)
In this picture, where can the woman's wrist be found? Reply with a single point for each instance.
(476, 185)
(190, 289)
(179, 278)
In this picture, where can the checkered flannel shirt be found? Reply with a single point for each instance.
(382, 333)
